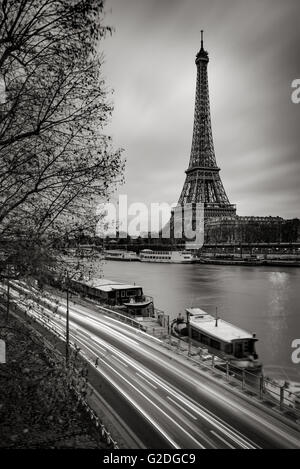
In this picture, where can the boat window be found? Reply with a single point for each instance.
(215, 344)
(238, 350)
(196, 335)
(204, 339)
(228, 348)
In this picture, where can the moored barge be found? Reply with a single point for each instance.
(219, 337)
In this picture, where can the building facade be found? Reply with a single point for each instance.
(251, 230)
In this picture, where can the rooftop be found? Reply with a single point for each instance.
(108, 285)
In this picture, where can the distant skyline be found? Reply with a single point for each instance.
(254, 57)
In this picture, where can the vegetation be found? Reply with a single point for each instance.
(57, 163)
(38, 403)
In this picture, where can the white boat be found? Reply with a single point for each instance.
(120, 255)
(220, 338)
(170, 257)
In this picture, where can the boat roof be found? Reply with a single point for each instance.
(224, 331)
(108, 285)
(118, 251)
(149, 251)
(138, 304)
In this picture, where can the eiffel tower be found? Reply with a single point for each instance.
(203, 183)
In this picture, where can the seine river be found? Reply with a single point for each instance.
(264, 300)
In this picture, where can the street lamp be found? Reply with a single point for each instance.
(8, 299)
(7, 293)
(67, 322)
(189, 331)
(67, 284)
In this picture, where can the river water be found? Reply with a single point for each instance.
(264, 300)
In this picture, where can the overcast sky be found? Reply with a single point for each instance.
(254, 49)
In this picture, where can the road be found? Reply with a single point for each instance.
(173, 404)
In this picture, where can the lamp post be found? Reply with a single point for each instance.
(67, 284)
(189, 331)
(7, 292)
(67, 322)
(8, 299)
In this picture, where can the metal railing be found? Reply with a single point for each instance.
(265, 389)
(257, 385)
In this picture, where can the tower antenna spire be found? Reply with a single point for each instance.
(201, 39)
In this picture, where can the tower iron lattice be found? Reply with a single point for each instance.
(203, 183)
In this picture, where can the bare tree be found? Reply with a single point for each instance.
(56, 161)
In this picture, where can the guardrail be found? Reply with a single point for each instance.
(265, 389)
(279, 397)
(252, 383)
(105, 434)
(121, 317)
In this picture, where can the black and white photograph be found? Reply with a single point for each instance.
(149, 228)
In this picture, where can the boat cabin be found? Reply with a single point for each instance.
(121, 255)
(109, 291)
(219, 336)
